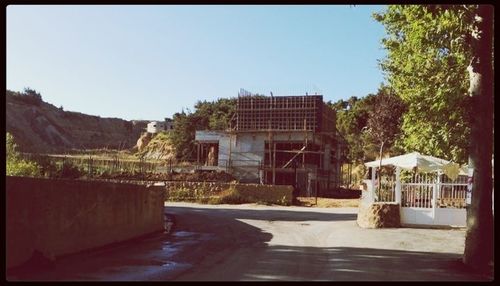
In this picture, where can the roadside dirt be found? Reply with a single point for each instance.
(327, 202)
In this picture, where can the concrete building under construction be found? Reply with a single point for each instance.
(283, 140)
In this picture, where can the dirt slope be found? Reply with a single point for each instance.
(156, 146)
(42, 127)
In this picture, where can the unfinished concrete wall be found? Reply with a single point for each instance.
(244, 153)
(58, 217)
(281, 194)
(247, 153)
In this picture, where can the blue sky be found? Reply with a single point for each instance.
(148, 62)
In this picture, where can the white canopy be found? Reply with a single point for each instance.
(424, 163)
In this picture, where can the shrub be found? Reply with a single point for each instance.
(233, 196)
(47, 167)
(29, 96)
(22, 168)
(70, 171)
(16, 166)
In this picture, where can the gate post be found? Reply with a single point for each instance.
(434, 196)
(398, 193)
(398, 186)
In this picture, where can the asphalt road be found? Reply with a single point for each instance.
(253, 242)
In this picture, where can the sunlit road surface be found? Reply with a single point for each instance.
(254, 242)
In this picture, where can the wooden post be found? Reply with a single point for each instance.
(305, 144)
(439, 185)
(341, 181)
(274, 164)
(295, 171)
(350, 174)
(373, 182)
(198, 152)
(317, 187)
(328, 182)
(270, 144)
(229, 160)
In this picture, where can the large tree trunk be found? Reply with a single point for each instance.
(479, 245)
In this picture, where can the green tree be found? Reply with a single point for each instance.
(16, 166)
(428, 54)
(214, 115)
(440, 62)
(384, 120)
(29, 96)
(183, 135)
(217, 114)
(352, 115)
(479, 242)
(352, 122)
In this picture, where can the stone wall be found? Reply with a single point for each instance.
(193, 191)
(378, 215)
(251, 193)
(274, 194)
(58, 217)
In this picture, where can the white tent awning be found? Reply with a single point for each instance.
(423, 163)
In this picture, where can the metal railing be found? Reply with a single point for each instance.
(419, 190)
(93, 166)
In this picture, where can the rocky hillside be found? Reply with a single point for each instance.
(38, 126)
(155, 146)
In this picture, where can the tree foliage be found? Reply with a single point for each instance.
(479, 242)
(352, 115)
(29, 96)
(352, 122)
(214, 115)
(440, 62)
(426, 66)
(16, 166)
(384, 119)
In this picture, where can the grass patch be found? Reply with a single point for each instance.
(327, 202)
(231, 194)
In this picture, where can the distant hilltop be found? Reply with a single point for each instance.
(41, 127)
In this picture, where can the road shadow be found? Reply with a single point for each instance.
(265, 214)
(288, 263)
(359, 264)
(156, 257)
(204, 238)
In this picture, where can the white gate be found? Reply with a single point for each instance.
(425, 198)
(432, 199)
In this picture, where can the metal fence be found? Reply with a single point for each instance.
(387, 189)
(452, 193)
(418, 190)
(93, 166)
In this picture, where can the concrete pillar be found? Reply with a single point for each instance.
(369, 191)
(435, 192)
(398, 186)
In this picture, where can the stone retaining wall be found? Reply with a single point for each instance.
(58, 217)
(251, 193)
(378, 215)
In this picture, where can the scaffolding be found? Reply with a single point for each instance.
(308, 159)
(297, 162)
(285, 113)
